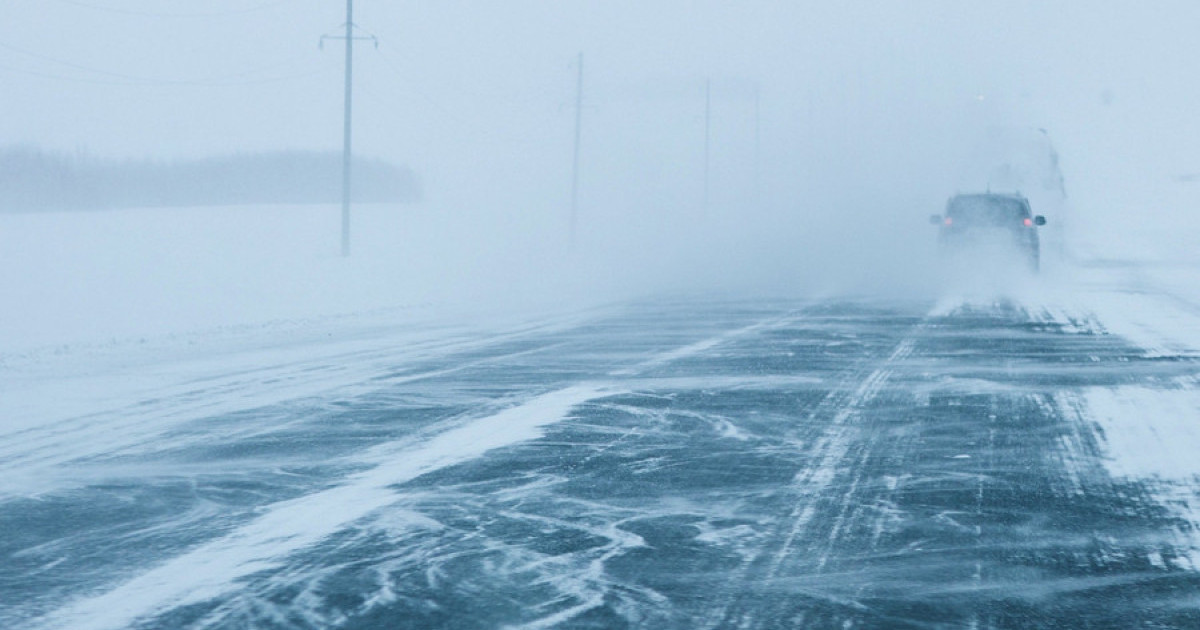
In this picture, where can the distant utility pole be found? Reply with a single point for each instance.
(575, 159)
(347, 110)
(757, 144)
(707, 135)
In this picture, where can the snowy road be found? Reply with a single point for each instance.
(1008, 462)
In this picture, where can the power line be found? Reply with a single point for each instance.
(129, 79)
(156, 14)
(71, 64)
(145, 83)
(66, 79)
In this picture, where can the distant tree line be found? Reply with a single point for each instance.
(32, 179)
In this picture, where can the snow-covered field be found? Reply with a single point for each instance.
(132, 275)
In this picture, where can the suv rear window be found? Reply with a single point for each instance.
(986, 210)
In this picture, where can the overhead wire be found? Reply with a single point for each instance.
(130, 79)
(64, 78)
(69, 64)
(384, 93)
(157, 14)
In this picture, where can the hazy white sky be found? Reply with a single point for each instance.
(868, 114)
(475, 94)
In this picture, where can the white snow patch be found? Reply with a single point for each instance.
(1153, 435)
(1149, 432)
(1156, 308)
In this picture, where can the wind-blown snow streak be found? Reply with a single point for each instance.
(213, 569)
(703, 346)
(833, 446)
(54, 422)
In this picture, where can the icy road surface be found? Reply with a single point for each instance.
(962, 463)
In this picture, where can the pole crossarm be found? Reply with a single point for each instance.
(370, 38)
(353, 27)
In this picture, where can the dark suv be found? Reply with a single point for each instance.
(979, 223)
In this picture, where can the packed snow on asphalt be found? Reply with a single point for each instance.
(998, 453)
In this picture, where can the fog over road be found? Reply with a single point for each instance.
(322, 314)
(997, 462)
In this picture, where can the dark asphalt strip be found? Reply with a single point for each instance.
(834, 465)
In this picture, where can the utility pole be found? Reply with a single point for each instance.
(707, 135)
(575, 159)
(347, 111)
(346, 128)
(757, 144)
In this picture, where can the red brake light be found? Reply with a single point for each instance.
(948, 221)
(1028, 222)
